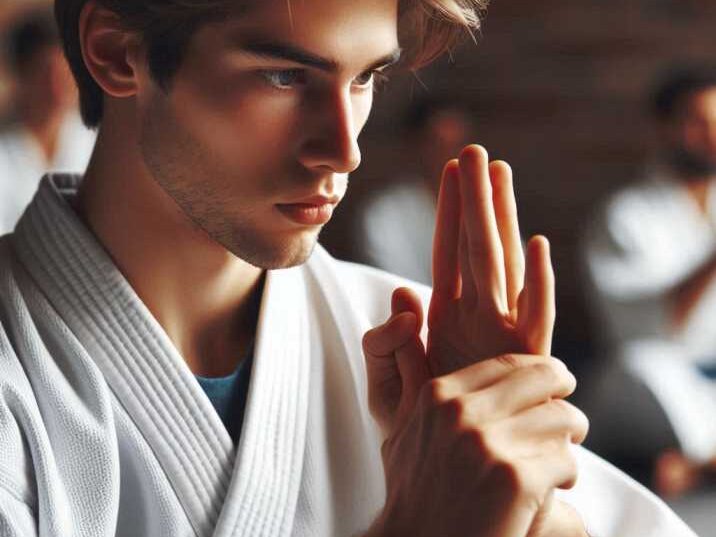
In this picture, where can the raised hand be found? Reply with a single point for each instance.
(486, 299)
(477, 432)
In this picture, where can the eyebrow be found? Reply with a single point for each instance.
(284, 51)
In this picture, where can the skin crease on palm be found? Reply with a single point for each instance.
(184, 191)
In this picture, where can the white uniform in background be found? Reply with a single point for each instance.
(649, 239)
(22, 165)
(104, 430)
(397, 228)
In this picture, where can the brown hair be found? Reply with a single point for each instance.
(427, 28)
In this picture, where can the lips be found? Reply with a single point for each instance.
(314, 211)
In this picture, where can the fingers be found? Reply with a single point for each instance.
(560, 519)
(553, 419)
(446, 272)
(508, 226)
(537, 302)
(483, 374)
(557, 466)
(483, 239)
(468, 288)
(519, 391)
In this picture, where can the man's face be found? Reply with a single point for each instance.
(258, 132)
(694, 135)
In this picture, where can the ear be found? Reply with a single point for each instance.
(110, 52)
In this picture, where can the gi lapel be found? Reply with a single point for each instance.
(136, 357)
(264, 491)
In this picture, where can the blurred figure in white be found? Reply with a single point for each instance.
(46, 132)
(651, 256)
(397, 223)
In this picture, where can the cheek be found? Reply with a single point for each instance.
(237, 124)
(361, 110)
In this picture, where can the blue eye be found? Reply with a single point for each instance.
(284, 78)
(374, 78)
(365, 79)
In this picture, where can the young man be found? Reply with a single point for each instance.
(46, 133)
(226, 133)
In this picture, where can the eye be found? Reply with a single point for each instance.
(283, 79)
(370, 78)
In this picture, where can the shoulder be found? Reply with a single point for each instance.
(626, 220)
(641, 200)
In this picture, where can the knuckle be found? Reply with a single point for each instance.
(546, 371)
(580, 424)
(571, 471)
(557, 374)
(509, 361)
(369, 339)
(576, 422)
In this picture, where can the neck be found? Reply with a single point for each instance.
(204, 297)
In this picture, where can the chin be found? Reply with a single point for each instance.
(274, 254)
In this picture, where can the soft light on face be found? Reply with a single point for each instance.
(698, 126)
(257, 136)
(693, 136)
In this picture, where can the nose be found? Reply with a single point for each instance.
(331, 139)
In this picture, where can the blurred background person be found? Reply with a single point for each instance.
(651, 258)
(397, 221)
(44, 132)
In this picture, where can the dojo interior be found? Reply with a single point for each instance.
(562, 91)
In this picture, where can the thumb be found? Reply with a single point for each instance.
(385, 385)
(410, 356)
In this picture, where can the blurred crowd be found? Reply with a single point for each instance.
(40, 129)
(648, 253)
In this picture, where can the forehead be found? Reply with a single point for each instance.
(339, 29)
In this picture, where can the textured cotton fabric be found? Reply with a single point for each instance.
(104, 431)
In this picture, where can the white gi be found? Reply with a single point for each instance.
(105, 431)
(22, 164)
(650, 238)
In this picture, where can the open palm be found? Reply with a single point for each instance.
(488, 299)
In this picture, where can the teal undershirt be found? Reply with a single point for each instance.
(228, 395)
